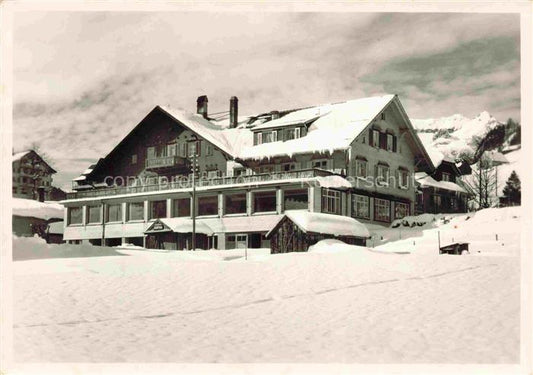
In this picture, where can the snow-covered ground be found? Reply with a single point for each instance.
(336, 303)
(492, 231)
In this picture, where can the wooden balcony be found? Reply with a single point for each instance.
(186, 183)
(165, 162)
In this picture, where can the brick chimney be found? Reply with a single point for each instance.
(233, 112)
(201, 106)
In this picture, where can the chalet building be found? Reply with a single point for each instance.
(32, 176)
(239, 176)
(440, 191)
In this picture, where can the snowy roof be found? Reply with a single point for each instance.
(40, 210)
(56, 227)
(210, 226)
(335, 128)
(333, 182)
(424, 180)
(20, 155)
(317, 222)
(210, 132)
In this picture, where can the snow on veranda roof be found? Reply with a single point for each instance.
(316, 222)
(334, 127)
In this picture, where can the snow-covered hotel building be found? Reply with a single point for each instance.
(352, 159)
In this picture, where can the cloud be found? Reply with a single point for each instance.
(83, 80)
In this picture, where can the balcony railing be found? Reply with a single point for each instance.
(186, 183)
(165, 162)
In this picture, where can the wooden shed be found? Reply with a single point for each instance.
(297, 230)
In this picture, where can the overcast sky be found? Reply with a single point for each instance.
(83, 80)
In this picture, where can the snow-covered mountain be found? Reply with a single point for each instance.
(453, 135)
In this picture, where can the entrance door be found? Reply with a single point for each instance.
(241, 241)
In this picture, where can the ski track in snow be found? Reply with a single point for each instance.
(344, 307)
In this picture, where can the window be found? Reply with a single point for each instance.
(361, 168)
(239, 172)
(150, 152)
(381, 209)
(208, 150)
(403, 178)
(293, 134)
(360, 206)
(194, 147)
(390, 142)
(265, 201)
(181, 207)
(114, 212)
(134, 159)
(158, 209)
(93, 214)
(75, 215)
(383, 174)
(266, 169)
(274, 136)
(258, 138)
(446, 176)
(289, 167)
(208, 205)
(182, 150)
(161, 150)
(213, 174)
(331, 201)
(401, 210)
(322, 164)
(383, 116)
(375, 138)
(297, 199)
(172, 149)
(235, 204)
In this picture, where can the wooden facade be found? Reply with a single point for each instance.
(288, 237)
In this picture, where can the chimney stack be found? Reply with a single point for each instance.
(201, 106)
(275, 115)
(233, 112)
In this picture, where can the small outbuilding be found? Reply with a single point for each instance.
(297, 230)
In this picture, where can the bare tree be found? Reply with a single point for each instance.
(481, 184)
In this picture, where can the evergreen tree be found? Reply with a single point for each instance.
(511, 191)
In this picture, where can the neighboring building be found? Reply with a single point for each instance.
(439, 192)
(30, 217)
(32, 176)
(353, 158)
(57, 194)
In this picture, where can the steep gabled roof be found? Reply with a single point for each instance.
(19, 155)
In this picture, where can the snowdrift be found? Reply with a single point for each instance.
(26, 248)
(492, 231)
